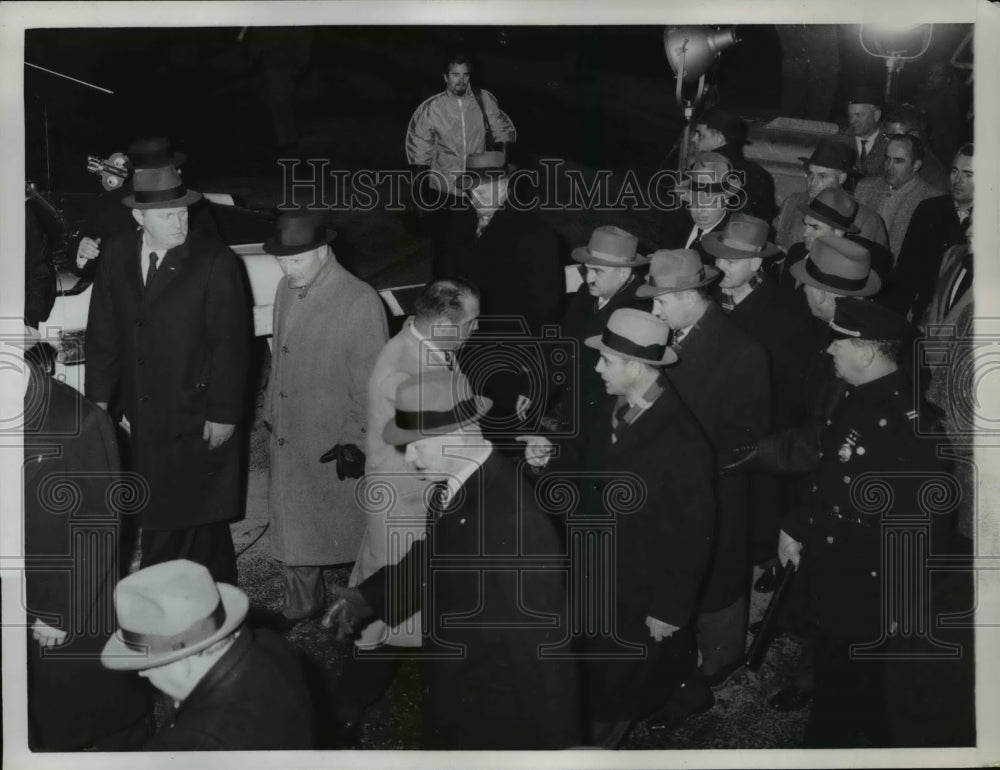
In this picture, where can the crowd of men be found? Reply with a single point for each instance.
(561, 527)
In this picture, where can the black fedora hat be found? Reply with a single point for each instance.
(159, 188)
(153, 152)
(832, 154)
(299, 231)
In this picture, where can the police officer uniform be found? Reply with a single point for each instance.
(866, 485)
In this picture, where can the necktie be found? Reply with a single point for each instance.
(618, 424)
(151, 270)
(962, 282)
(481, 225)
(436, 495)
(726, 301)
(678, 336)
(864, 152)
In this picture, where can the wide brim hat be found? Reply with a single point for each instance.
(637, 335)
(159, 188)
(299, 231)
(743, 237)
(730, 125)
(827, 214)
(708, 174)
(673, 270)
(837, 265)
(169, 611)
(433, 404)
(481, 167)
(610, 246)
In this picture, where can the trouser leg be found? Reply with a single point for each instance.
(305, 592)
(722, 636)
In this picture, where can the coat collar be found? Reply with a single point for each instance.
(222, 669)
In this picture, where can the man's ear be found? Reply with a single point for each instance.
(841, 178)
(917, 164)
(137, 216)
(867, 354)
(878, 115)
(755, 263)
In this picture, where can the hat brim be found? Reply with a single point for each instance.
(275, 248)
(853, 229)
(117, 656)
(712, 242)
(871, 287)
(189, 198)
(584, 256)
(669, 355)
(395, 436)
(649, 290)
(684, 189)
(808, 161)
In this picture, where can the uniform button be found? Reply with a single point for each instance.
(281, 442)
(874, 573)
(829, 539)
(860, 450)
(829, 422)
(883, 422)
(847, 479)
(813, 488)
(821, 455)
(461, 521)
(810, 519)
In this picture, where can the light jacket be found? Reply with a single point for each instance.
(446, 129)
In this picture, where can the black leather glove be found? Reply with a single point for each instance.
(350, 460)
(348, 612)
(744, 460)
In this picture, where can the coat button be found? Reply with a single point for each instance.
(281, 442)
(874, 573)
(829, 540)
(883, 422)
(143, 399)
(139, 323)
(284, 348)
(836, 509)
(282, 394)
(813, 488)
(847, 479)
(141, 361)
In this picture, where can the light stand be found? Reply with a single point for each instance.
(895, 45)
(690, 52)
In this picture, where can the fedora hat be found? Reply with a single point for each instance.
(731, 126)
(743, 237)
(861, 319)
(298, 231)
(153, 152)
(831, 154)
(481, 167)
(865, 95)
(676, 270)
(637, 335)
(610, 246)
(169, 611)
(832, 207)
(839, 266)
(433, 404)
(708, 174)
(159, 188)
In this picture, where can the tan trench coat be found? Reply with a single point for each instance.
(326, 339)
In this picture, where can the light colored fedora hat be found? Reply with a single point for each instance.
(676, 270)
(839, 266)
(637, 335)
(169, 611)
(610, 246)
(743, 237)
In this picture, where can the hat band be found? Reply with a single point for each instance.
(699, 276)
(739, 245)
(835, 281)
(461, 412)
(844, 332)
(624, 345)
(158, 644)
(830, 213)
(158, 196)
(610, 257)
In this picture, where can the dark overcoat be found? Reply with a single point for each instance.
(253, 698)
(175, 353)
(722, 377)
(655, 487)
(72, 560)
(934, 228)
(516, 265)
(487, 614)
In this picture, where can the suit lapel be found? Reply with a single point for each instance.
(133, 275)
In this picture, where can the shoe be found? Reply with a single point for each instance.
(690, 699)
(767, 581)
(790, 698)
(721, 678)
